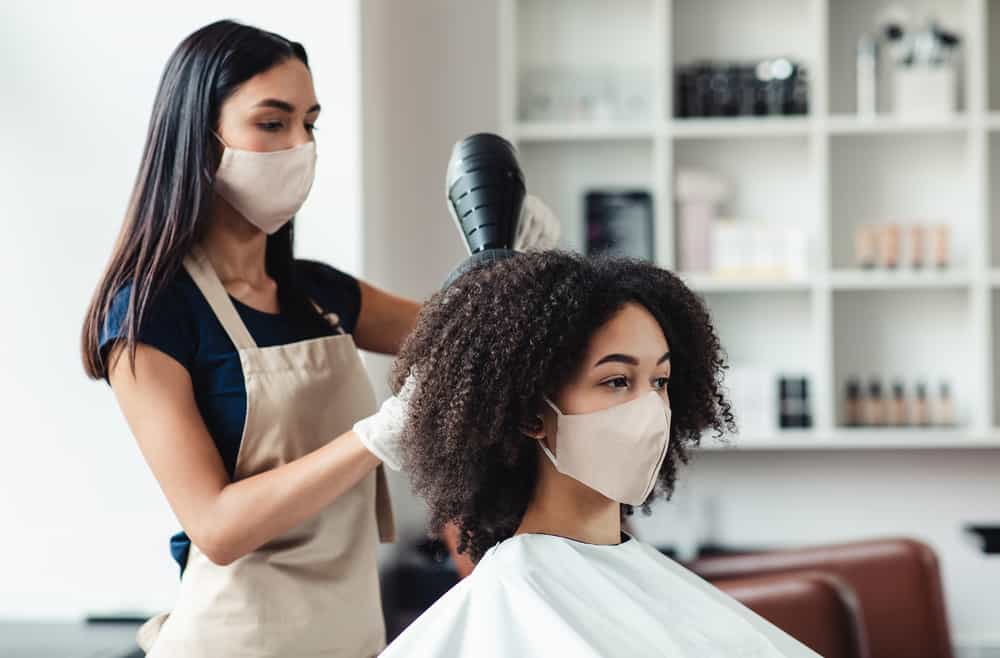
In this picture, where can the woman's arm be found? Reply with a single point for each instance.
(224, 519)
(385, 320)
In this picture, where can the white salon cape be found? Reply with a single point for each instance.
(542, 595)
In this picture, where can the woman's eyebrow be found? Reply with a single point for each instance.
(284, 106)
(626, 358)
(618, 358)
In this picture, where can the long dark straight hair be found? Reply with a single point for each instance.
(168, 210)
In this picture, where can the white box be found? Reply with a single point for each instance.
(923, 91)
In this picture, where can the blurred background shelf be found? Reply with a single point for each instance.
(902, 279)
(721, 284)
(859, 439)
(738, 127)
(887, 125)
(824, 172)
(582, 130)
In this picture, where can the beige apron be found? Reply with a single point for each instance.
(313, 591)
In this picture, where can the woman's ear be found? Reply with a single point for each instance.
(534, 428)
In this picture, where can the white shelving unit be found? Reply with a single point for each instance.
(827, 172)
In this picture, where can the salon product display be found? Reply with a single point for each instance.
(794, 409)
(554, 94)
(766, 400)
(922, 58)
(875, 403)
(893, 246)
(777, 86)
(729, 247)
(619, 223)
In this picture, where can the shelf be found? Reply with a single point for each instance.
(739, 127)
(710, 283)
(861, 439)
(582, 131)
(744, 127)
(827, 172)
(892, 125)
(903, 279)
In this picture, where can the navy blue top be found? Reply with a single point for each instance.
(180, 323)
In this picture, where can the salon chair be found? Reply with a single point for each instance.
(897, 583)
(817, 609)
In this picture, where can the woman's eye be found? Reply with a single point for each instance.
(312, 127)
(661, 382)
(271, 126)
(617, 382)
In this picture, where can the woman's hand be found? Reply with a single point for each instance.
(538, 228)
(381, 432)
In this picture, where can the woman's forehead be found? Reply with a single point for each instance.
(288, 81)
(633, 331)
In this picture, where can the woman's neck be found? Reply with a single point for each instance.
(235, 247)
(565, 507)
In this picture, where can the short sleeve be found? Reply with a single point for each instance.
(335, 291)
(166, 325)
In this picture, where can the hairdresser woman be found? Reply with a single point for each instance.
(237, 368)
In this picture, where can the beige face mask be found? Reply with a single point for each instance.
(266, 187)
(617, 451)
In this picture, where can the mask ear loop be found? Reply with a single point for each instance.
(545, 448)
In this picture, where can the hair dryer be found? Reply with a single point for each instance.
(485, 191)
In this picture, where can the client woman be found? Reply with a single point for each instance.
(546, 416)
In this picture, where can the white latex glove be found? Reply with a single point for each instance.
(538, 228)
(381, 432)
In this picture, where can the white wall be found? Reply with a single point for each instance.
(84, 525)
(429, 78)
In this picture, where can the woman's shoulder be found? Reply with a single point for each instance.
(175, 295)
(168, 320)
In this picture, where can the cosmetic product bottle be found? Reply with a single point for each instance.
(890, 246)
(876, 411)
(788, 396)
(941, 239)
(899, 416)
(794, 403)
(918, 246)
(865, 246)
(853, 404)
(921, 409)
(945, 407)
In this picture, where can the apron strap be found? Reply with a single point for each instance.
(383, 508)
(331, 318)
(208, 282)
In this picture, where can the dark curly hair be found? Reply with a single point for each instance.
(489, 347)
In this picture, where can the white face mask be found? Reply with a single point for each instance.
(266, 187)
(617, 451)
